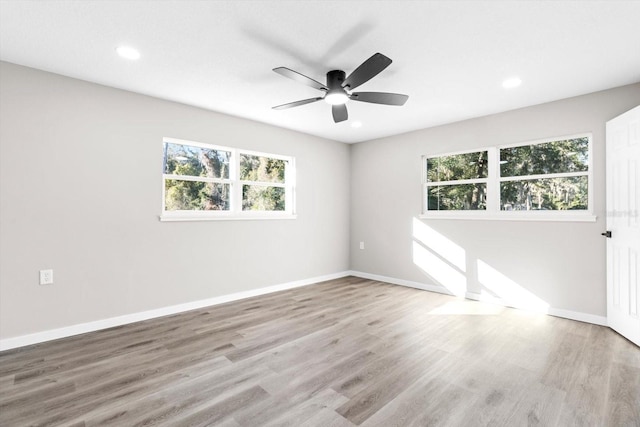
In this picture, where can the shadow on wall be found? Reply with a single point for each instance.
(449, 266)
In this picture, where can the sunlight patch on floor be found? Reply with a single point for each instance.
(468, 307)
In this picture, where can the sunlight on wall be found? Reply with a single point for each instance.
(445, 262)
(444, 274)
(507, 290)
(439, 244)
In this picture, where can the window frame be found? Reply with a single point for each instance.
(235, 211)
(493, 180)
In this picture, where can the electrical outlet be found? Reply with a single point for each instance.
(46, 277)
(361, 245)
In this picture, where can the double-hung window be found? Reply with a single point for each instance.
(456, 182)
(547, 176)
(203, 181)
(549, 179)
(264, 182)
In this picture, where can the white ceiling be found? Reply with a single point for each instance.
(450, 57)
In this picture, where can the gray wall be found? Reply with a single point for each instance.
(80, 192)
(562, 263)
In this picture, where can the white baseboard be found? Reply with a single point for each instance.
(53, 334)
(408, 283)
(557, 312)
(567, 314)
(581, 317)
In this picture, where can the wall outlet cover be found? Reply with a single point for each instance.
(46, 277)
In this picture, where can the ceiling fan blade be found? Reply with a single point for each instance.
(339, 113)
(367, 70)
(296, 104)
(301, 78)
(380, 98)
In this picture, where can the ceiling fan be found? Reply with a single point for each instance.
(338, 89)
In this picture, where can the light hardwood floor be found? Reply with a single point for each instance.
(340, 353)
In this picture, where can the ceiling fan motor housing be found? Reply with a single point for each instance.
(335, 79)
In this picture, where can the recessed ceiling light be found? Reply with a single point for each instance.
(511, 83)
(356, 124)
(128, 52)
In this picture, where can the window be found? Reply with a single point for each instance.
(196, 178)
(457, 182)
(547, 176)
(546, 180)
(202, 181)
(263, 183)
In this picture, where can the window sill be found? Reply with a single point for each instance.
(512, 216)
(254, 217)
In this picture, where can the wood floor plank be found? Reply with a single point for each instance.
(280, 408)
(212, 385)
(213, 414)
(498, 387)
(421, 402)
(585, 401)
(623, 406)
(340, 353)
(306, 410)
(539, 406)
(388, 385)
(567, 353)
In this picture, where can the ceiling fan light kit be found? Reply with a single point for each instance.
(338, 88)
(336, 98)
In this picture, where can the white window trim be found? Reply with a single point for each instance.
(493, 180)
(235, 212)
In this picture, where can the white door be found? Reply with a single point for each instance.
(623, 222)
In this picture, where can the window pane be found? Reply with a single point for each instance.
(457, 166)
(457, 197)
(569, 155)
(261, 169)
(259, 198)
(544, 194)
(195, 161)
(195, 196)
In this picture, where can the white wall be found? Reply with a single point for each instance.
(561, 263)
(80, 192)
